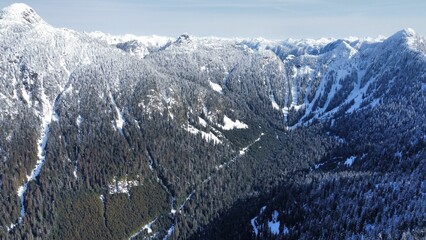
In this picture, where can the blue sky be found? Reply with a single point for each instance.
(273, 19)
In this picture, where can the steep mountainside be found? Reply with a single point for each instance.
(205, 138)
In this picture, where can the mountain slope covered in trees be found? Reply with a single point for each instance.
(206, 138)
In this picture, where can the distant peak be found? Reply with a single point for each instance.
(183, 38)
(405, 33)
(20, 12)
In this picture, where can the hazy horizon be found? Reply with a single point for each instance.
(270, 19)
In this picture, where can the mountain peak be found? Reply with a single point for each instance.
(407, 32)
(403, 34)
(183, 38)
(406, 37)
(20, 12)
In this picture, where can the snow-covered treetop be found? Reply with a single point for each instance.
(20, 13)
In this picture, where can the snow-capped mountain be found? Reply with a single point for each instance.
(166, 137)
(135, 45)
(317, 78)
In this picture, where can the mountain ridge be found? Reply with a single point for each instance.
(164, 137)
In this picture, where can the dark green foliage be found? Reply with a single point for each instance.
(80, 216)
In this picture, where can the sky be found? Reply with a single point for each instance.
(271, 19)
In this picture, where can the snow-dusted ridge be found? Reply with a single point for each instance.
(139, 46)
(311, 67)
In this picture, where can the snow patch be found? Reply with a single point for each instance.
(147, 228)
(274, 103)
(79, 120)
(229, 124)
(254, 222)
(208, 137)
(317, 166)
(169, 232)
(274, 225)
(74, 173)
(216, 87)
(46, 118)
(121, 186)
(202, 122)
(11, 227)
(119, 121)
(350, 161)
(244, 150)
(55, 116)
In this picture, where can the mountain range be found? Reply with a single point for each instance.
(126, 137)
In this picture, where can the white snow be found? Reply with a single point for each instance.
(186, 200)
(229, 124)
(74, 173)
(169, 232)
(119, 121)
(152, 40)
(208, 137)
(147, 227)
(350, 161)
(144, 42)
(79, 120)
(317, 166)
(55, 116)
(274, 103)
(172, 206)
(274, 225)
(216, 87)
(150, 163)
(20, 13)
(202, 122)
(121, 186)
(11, 227)
(245, 149)
(254, 222)
(254, 226)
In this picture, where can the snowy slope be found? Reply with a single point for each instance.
(61, 79)
(316, 79)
